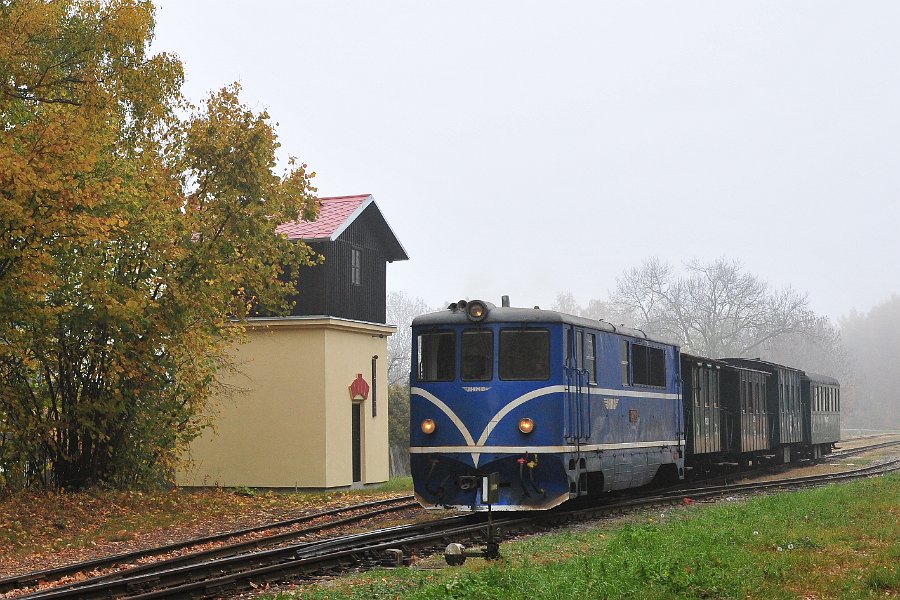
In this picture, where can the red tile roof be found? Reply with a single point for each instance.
(334, 216)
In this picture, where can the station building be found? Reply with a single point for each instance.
(307, 404)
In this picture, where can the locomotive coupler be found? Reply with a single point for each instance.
(456, 554)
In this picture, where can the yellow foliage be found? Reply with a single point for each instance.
(134, 238)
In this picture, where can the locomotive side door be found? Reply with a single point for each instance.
(580, 372)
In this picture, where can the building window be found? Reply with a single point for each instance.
(355, 267)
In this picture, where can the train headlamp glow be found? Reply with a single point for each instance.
(476, 310)
(526, 425)
(428, 426)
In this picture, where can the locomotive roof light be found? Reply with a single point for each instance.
(428, 426)
(476, 310)
(526, 425)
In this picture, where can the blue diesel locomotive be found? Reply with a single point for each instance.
(557, 405)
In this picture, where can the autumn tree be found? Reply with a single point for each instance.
(136, 240)
(716, 309)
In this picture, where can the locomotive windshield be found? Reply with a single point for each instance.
(477, 355)
(437, 356)
(524, 354)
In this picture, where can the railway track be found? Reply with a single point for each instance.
(227, 571)
(224, 544)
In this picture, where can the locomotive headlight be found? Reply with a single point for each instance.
(428, 426)
(476, 310)
(526, 425)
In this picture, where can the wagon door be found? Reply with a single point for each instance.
(580, 372)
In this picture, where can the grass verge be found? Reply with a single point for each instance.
(840, 541)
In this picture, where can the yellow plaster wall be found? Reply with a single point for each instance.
(287, 422)
(348, 353)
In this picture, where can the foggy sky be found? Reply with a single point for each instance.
(533, 148)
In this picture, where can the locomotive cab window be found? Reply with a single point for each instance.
(437, 356)
(648, 365)
(477, 348)
(590, 359)
(524, 354)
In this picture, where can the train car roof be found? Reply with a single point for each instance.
(505, 314)
(757, 363)
(816, 378)
(698, 358)
(719, 362)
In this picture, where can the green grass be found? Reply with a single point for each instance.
(396, 485)
(841, 541)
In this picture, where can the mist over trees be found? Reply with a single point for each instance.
(712, 309)
(872, 340)
(717, 309)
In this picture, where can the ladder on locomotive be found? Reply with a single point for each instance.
(577, 397)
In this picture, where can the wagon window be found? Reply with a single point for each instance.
(437, 356)
(524, 354)
(697, 385)
(714, 388)
(477, 348)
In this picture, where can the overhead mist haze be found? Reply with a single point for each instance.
(530, 149)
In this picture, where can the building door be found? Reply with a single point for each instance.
(356, 437)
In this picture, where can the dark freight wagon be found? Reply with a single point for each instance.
(783, 403)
